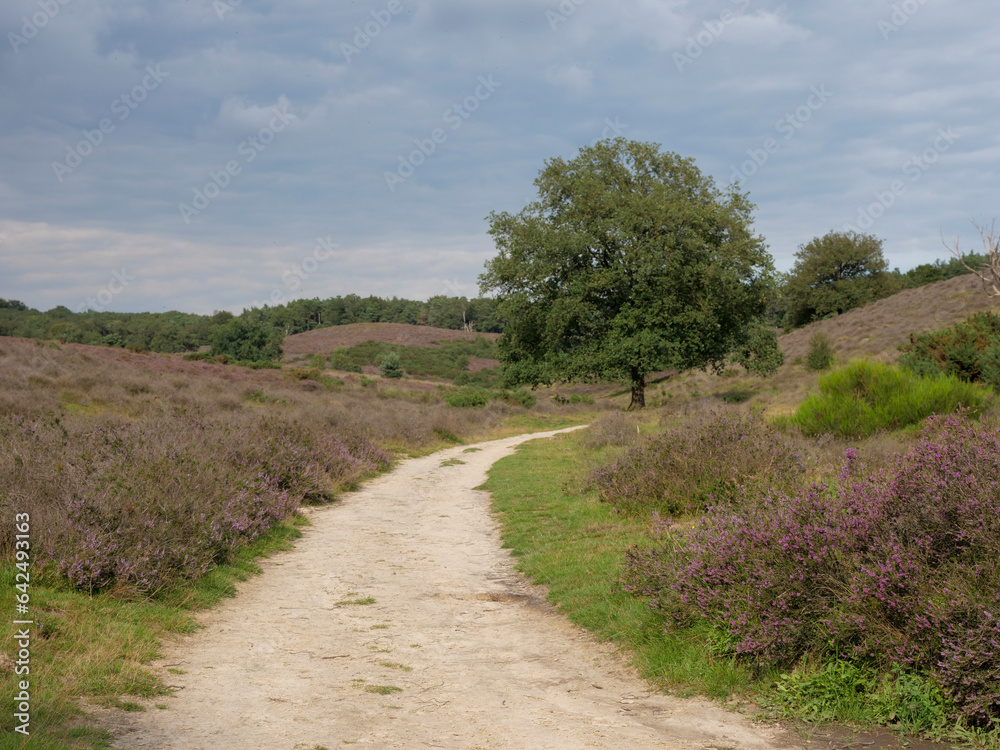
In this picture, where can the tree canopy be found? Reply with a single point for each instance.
(835, 273)
(630, 261)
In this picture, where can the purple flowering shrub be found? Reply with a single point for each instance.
(138, 507)
(717, 459)
(899, 566)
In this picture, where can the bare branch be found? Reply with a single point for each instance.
(989, 273)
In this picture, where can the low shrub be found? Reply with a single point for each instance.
(865, 397)
(820, 353)
(969, 350)
(390, 366)
(894, 567)
(479, 397)
(716, 459)
(147, 506)
(614, 428)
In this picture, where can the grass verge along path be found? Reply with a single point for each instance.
(566, 539)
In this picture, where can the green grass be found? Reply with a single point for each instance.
(576, 546)
(868, 397)
(95, 646)
(356, 602)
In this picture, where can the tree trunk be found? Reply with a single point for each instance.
(638, 391)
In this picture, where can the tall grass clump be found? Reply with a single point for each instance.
(717, 458)
(866, 397)
(894, 569)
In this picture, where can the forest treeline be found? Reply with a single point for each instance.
(180, 332)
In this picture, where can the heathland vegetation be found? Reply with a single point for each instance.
(152, 482)
(815, 530)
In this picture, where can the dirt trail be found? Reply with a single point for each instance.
(479, 658)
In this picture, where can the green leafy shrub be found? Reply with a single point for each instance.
(479, 397)
(448, 361)
(969, 350)
(760, 354)
(820, 354)
(865, 397)
(340, 360)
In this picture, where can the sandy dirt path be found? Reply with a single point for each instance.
(478, 658)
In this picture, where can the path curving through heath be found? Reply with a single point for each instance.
(456, 651)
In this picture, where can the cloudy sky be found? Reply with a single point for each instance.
(213, 154)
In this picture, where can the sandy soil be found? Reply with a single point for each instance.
(455, 651)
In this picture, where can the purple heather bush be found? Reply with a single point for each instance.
(896, 566)
(719, 458)
(138, 507)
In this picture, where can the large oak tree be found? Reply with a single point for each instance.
(630, 261)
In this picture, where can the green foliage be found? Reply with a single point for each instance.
(340, 359)
(866, 397)
(836, 273)
(479, 397)
(860, 694)
(941, 270)
(820, 354)
(180, 332)
(242, 339)
(759, 352)
(969, 350)
(630, 261)
(575, 545)
(573, 398)
(390, 365)
(448, 361)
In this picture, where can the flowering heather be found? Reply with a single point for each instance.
(144, 506)
(896, 566)
(717, 459)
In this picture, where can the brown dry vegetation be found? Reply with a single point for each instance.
(325, 340)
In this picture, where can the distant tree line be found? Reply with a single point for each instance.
(180, 332)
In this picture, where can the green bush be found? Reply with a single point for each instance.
(390, 366)
(448, 361)
(969, 350)
(479, 397)
(865, 397)
(820, 354)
